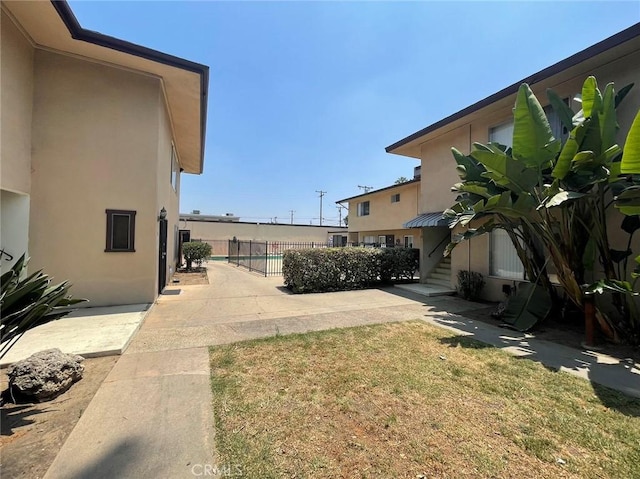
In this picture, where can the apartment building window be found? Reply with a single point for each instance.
(363, 208)
(121, 231)
(408, 241)
(369, 240)
(395, 198)
(504, 260)
(503, 133)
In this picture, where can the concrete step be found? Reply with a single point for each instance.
(444, 276)
(439, 282)
(427, 289)
(443, 270)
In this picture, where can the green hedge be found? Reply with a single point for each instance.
(338, 269)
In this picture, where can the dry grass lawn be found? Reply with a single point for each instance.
(411, 400)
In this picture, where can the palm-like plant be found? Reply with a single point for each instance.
(29, 301)
(551, 198)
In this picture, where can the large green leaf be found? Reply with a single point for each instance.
(563, 164)
(562, 197)
(533, 141)
(530, 305)
(608, 123)
(628, 202)
(623, 93)
(561, 108)
(468, 169)
(505, 171)
(630, 162)
(591, 97)
(485, 190)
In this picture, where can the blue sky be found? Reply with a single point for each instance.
(305, 96)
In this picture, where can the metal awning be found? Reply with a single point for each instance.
(427, 219)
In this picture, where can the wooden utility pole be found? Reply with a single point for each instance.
(321, 193)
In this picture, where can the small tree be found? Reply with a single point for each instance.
(195, 251)
(402, 179)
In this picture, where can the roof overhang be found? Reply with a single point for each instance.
(581, 63)
(427, 220)
(53, 26)
(369, 193)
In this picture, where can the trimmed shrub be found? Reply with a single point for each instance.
(470, 284)
(195, 252)
(399, 263)
(340, 269)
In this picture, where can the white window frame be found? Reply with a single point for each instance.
(395, 198)
(408, 241)
(361, 208)
(369, 240)
(508, 269)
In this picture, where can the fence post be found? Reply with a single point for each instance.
(266, 258)
(250, 256)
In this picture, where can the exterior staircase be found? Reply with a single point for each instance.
(441, 274)
(438, 282)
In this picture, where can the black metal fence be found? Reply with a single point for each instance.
(264, 257)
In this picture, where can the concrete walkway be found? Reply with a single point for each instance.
(90, 332)
(152, 416)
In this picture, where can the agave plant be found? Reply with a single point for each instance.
(29, 301)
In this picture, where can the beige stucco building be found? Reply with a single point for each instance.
(616, 59)
(96, 132)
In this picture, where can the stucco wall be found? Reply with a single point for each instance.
(95, 146)
(438, 169)
(383, 214)
(16, 95)
(168, 198)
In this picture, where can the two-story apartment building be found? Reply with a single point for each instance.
(376, 217)
(95, 133)
(616, 59)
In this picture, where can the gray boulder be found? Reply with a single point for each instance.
(44, 375)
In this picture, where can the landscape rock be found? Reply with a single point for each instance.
(44, 375)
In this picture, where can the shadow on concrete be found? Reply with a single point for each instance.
(285, 290)
(102, 310)
(116, 462)
(15, 416)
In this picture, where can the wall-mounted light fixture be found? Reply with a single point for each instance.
(162, 215)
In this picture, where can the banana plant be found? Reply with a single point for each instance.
(545, 192)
